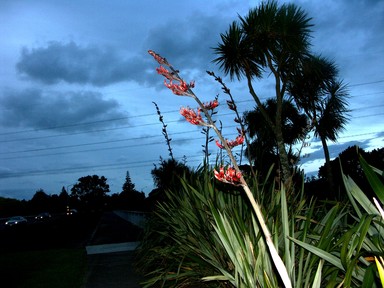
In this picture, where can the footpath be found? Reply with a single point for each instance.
(110, 253)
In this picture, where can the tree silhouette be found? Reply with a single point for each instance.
(322, 96)
(128, 186)
(263, 149)
(166, 176)
(91, 191)
(40, 201)
(269, 38)
(129, 197)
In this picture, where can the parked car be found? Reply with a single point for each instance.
(16, 220)
(43, 216)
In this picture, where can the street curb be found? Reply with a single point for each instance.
(111, 248)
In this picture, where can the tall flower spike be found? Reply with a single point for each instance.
(233, 177)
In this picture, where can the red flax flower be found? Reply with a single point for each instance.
(158, 58)
(191, 116)
(211, 105)
(179, 89)
(238, 141)
(229, 176)
(169, 75)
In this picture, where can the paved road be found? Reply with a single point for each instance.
(110, 255)
(111, 270)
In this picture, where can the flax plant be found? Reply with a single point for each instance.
(351, 256)
(230, 175)
(369, 212)
(205, 235)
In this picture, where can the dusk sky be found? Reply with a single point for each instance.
(77, 85)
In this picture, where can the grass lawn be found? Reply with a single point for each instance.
(59, 268)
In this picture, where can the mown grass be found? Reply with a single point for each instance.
(59, 268)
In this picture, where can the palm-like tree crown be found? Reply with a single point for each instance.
(317, 91)
(333, 111)
(268, 35)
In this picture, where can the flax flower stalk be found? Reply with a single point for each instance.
(187, 91)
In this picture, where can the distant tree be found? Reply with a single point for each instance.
(91, 191)
(349, 161)
(64, 196)
(10, 207)
(40, 201)
(131, 198)
(128, 186)
(40, 195)
(376, 158)
(166, 176)
(63, 191)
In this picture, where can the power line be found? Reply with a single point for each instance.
(153, 114)
(124, 127)
(113, 166)
(370, 115)
(181, 140)
(123, 140)
(93, 131)
(362, 134)
(93, 150)
(85, 124)
(366, 83)
(116, 166)
(139, 145)
(64, 126)
(67, 170)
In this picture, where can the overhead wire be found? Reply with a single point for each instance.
(132, 127)
(104, 166)
(153, 114)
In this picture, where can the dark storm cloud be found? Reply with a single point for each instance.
(36, 109)
(355, 30)
(72, 63)
(187, 42)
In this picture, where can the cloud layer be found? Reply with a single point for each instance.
(35, 108)
(71, 63)
(65, 64)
